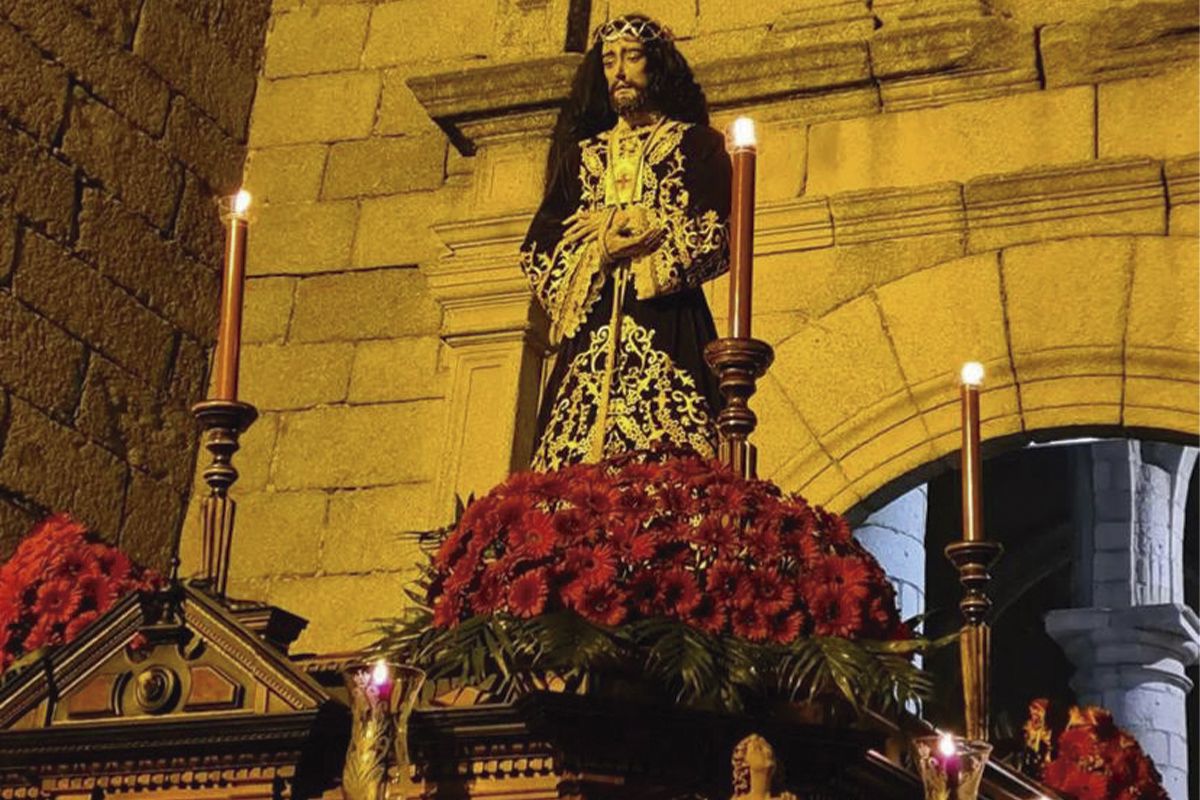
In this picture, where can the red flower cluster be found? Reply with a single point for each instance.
(57, 583)
(1090, 758)
(662, 534)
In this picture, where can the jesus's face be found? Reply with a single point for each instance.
(625, 71)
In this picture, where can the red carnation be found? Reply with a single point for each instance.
(528, 593)
(678, 592)
(602, 604)
(56, 601)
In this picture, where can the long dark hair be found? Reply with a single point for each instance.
(672, 90)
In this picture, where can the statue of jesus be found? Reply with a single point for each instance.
(634, 219)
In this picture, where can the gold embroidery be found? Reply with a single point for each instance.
(651, 401)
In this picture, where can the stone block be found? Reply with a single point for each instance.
(399, 110)
(367, 529)
(302, 237)
(32, 89)
(316, 108)
(241, 28)
(279, 534)
(901, 557)
(359, 446)
(942, 317)
(377, 304)
(38, 361)
(69, 292)
(196, 65)
(1110, 566)
(255, 456)
(112, 73)
(888, 215)
(154, 270)
(1125, 41)
(1157, 116)
(290, 174)
(38, 186)
(870, 442)
(821, 367)
(115, 18)
(679, 15)
(296, 375)
(127, 162)
(720, 16)
(189, 375)
(390, 39)
(507, 176)
(1149, 393)
(1081, 284)
(10, 233)
(956, 142)
(1118, 535)
(1105, 198)
(340, 609)
(782, 433)
(201, 144)
(156, 434)
(153, 514)
(525, 29)
(267, 309)
(198, 226)
(57, 468)
(15, 522)
(781, 161)
(319, 38)
(397, 369)
(385, 165)
(399, 230)
(1164, 302)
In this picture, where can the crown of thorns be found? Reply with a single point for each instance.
(643, 30)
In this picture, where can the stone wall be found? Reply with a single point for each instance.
(119, 120)
(1009, 181)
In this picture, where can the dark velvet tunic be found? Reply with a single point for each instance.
(659, 389)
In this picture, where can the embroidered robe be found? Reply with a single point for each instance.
(660, 389)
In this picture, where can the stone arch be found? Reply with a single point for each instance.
(1094, 332)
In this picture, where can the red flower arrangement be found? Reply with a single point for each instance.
(662, 534)
(1087, 757)
(60, 580)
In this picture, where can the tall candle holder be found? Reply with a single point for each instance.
(382, 697)
(951, 767)
(222, 422)
(739, 360)
(973, 558)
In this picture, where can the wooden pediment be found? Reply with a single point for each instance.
(173, 678)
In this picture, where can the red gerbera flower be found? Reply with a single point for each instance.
(771, 592)
(716, 532)
(534, 537)
(491, 591)
(570, 525)
(591, 566)
(722, 580)
(113, 563)
(511, 510)
(834, 613)
(674, 499)
(78, 623)
(848, 575)
(678, 592)
(97, 592)
(447, 610)
(708, 616)
(528, 593)
(785, 626)
(643, 592)
(602, 604)
(595, 498)
(73, 562)
(749, 623)
(633, 502)
(44, 633)
(56, 601)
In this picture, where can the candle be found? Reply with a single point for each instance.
(381, 678)
(972, 476)
(741, 226)
(950, 764)
(229, 333)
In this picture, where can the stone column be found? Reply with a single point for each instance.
(496, 334)
(895, 535)
(1132, 637)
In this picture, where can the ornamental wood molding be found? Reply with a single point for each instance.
(907, 54)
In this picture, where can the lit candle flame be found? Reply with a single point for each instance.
(743, 133)
(381, 675)
(241, 202)
(946, 745)
(972, 373)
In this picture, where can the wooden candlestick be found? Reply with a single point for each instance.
(229, 332)
(972, 462)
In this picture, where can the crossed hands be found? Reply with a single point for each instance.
(627, 235)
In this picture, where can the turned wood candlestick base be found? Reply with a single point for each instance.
(973, 560)
(222, 423)
(738, 363)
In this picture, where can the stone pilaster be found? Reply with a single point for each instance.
(496, 335)
(895, 535)
(1133, 637)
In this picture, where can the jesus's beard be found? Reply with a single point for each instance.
(628, 102)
